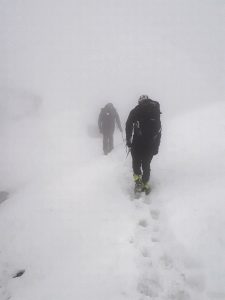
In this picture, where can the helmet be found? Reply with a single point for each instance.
(142, 98)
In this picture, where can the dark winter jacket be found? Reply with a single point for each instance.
(107, 119)
(143, 127)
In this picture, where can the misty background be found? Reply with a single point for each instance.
(74, 52)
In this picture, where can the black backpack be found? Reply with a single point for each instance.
(147, 123)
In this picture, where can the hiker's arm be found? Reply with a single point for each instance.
(118, 121)
(129, 127)
(100, 121)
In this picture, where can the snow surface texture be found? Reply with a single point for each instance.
(71, 229)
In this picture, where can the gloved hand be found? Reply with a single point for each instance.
(129, 144)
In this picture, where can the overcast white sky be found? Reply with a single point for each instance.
(85, 50)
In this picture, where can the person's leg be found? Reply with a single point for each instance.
(146, 161)
(136, 162)
(105, 144)
(137, 173)
(111, 146)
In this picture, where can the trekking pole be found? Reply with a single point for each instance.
(124, 141)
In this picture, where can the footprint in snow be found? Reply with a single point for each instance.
(166, 262)
(131, 240)
(155, 214)
(143, 223)
(155, 240)
(145, 252)
(147, 200)
(149, 287)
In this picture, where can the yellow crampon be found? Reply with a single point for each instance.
(137, 178)
(146, 188)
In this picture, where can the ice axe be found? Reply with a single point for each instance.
(128, 151)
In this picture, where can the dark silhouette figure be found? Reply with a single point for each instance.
(143, 134)
(106, 123)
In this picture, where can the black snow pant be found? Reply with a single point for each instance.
(141, 163)
(107, 142)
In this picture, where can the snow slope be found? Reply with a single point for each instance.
(71, 223)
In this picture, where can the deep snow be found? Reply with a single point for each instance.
(71, 223)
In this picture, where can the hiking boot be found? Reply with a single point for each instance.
(146, 188)
(138, 183)
(138, 187)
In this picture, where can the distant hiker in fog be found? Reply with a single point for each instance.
(106, 123)
(143, 134)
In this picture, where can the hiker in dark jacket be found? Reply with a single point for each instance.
(143, 134)
(106, 123)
